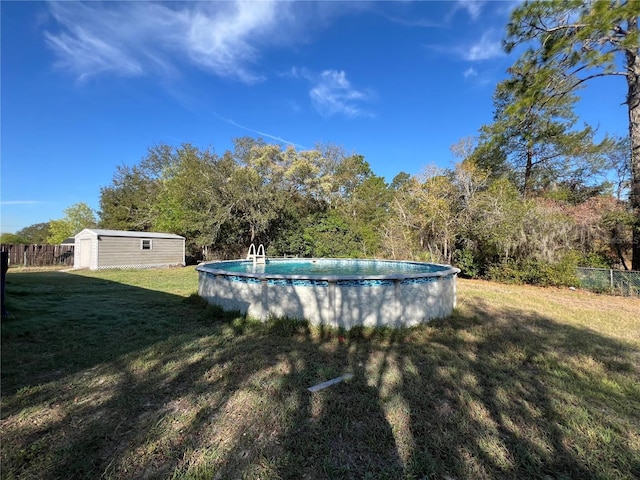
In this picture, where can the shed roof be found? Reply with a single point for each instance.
(126, 233)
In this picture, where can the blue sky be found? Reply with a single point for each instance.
(88, 87)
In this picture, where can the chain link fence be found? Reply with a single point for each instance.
(604, 280)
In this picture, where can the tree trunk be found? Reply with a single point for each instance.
(633, 103)
(528, 172)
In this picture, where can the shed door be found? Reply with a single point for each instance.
(85, 253)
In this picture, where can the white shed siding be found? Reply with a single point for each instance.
(128, 252)
(123, 249)
(93, 253)
(85, 253)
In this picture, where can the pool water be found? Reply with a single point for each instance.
(332, 267)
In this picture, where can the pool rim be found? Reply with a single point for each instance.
(447, 270)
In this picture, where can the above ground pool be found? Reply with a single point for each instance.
(334, 292)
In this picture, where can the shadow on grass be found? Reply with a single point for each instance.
(104, 379)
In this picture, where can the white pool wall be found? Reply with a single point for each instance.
(333, 301)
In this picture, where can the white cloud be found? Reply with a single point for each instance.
(488, 47)
(485, 48)
(472, 7)
(139, 38)
(332, 94)
(470, 72)
(422, 22)
(20, 202)
(223, 43)
(295, 72)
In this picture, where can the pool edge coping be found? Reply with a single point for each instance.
(450, 270)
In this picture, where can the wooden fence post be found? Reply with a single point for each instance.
(5, 266)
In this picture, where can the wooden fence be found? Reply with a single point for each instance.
(38, 255)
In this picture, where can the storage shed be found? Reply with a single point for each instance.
(98, 249)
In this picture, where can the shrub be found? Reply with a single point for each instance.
(596, 260)
(537, 272)
(506, 271)
(466, 262)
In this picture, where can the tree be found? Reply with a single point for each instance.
(329, 234)
(128, 203)
(366, 212)
(490, 156)
(495, 231)
(297, 173)
(586, 40)
(191, 196)
(423, 215)
(76, 218)
(13, 238)
(603, 230)
(400, 180)
(464, 148)
(619, 162)
(251, 202)
(538, 137)
(37, 233)
(350, 173)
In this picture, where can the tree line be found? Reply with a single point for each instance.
(531, 196)
(325, 202)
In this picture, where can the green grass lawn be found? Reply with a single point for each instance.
(128, 374)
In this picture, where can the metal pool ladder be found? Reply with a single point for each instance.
(258, 256)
